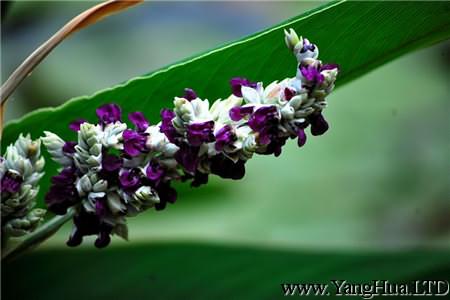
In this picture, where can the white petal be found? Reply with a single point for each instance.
(250, 95)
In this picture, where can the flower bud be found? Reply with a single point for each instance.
(291, 38)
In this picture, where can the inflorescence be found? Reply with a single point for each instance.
(112, 172)
(20, 171)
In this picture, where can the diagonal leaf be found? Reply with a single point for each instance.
(358, 36)
(193, 271)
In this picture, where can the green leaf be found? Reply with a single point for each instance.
(358, 36)
(201, 271)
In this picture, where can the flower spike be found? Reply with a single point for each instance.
(20, 171)
(113, 172)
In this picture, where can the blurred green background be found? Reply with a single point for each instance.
(378, 180)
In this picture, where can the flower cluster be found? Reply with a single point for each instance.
(113, 171)
(20, 170)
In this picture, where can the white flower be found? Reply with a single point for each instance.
(305, 50)
(54, 145)
(158, 142)
(189, 112)
(220, 110)
(112, 134)
(260, 95)
(88, 152)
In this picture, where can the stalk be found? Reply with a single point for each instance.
(34, 239)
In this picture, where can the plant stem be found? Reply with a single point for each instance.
(86, 18)
(37, 237)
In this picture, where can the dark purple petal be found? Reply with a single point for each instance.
(312, 74)
(139, 120)
(130, 181)
(318, 124)
(237, 83)
(89, 224)
(134, 142)
(75, 125)
(274, 146)
(226, 168)
(167, 126)
(235, 113)
(265, 121)
(238, 112)
(288, 94)
(167, 114)
(167, 194)
(111, 162)
(69, 147)
(199, 133)
(100, 207)
(102, 240)
(301, 137)
(75, 239)
(109, 113)
(11, 182)
(189, 94)
(187, 156)
(155, 172)
(62, 193)
(264, 137)
(199, 179)
(307, 46)
(224, 137)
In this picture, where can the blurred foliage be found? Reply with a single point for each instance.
(202, 271)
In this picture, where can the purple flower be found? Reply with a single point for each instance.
(111, 165)
(199, 179)
(264, 121)
(69, 147)
(238, 112)
(139, 121)
(312, 74)
(198, 133)
(237, 83)
(109, 113)
(111, 162)
(224, 137)
(187, 156)
(100, 207)
(226, 168)
(11, 182)
(103, 238)
(275, 146)
(130, 181)
(75, 125)
(89, 224)
(288, 94)
(167, 194)
(190, 94)
(318, 124)
(307, 46)
(62, 193)
(301, 137)
(134, 142)
(166, 124)
(155, 172)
